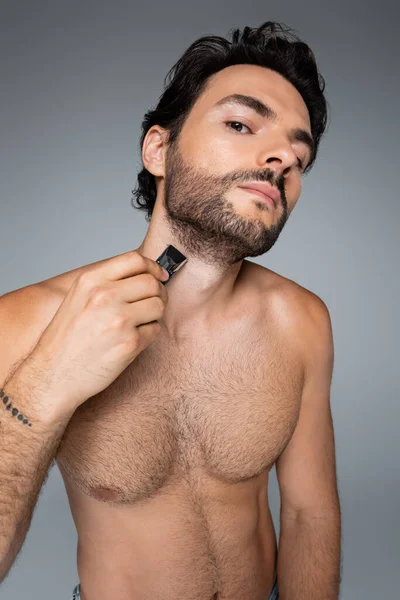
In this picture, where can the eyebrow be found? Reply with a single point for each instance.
(265, 111)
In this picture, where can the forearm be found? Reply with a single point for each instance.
(309, 557)
(26, 453)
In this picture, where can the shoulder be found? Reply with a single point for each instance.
(24, 315)
(22, 307)
(288, 293)
(299, 312)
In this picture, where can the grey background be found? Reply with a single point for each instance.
(76, 79)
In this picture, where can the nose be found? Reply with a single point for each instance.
(279, 155)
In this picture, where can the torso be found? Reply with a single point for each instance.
(167, 469)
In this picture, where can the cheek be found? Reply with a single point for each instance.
(212, 154)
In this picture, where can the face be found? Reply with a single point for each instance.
(226, 144)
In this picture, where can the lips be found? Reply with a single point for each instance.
(266, 189)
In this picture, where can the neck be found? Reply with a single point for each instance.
(199, 292)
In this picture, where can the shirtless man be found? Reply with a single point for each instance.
(165, 433)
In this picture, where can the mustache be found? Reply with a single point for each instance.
(265, 176)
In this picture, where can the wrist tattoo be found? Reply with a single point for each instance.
(13, 410)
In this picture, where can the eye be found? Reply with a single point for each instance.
(237, 123)
(300, 164)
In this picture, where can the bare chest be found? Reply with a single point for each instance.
(225, 406)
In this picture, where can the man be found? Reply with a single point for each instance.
(166, 469)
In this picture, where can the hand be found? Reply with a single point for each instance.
(109, 315)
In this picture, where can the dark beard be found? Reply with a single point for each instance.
(205, 224)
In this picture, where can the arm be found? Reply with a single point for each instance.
(26, 452)
(310, 519)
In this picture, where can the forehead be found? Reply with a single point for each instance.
(264, 84)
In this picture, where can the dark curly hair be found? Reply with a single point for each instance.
(284, 53)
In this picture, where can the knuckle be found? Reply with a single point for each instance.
(134, 340)
(157, 326)
(135, 336)
(158, 287)
(151, 283)
(138, 259)
(99, 295)
(150, 279)
(85, 280)
(159, 304)
(117, 322)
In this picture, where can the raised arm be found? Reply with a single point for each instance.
(28, 438)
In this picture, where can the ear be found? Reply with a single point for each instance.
(154, 150)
